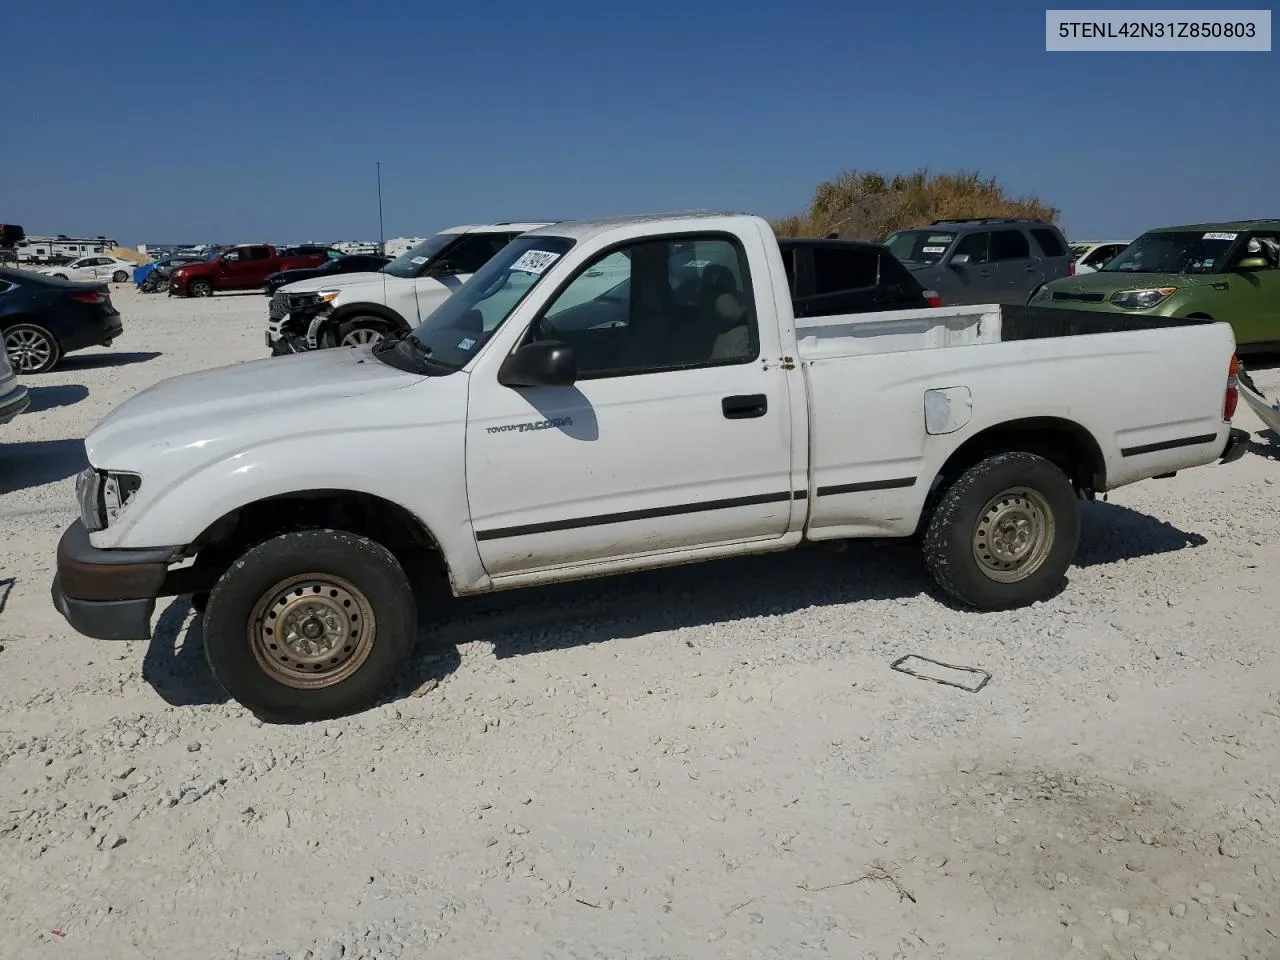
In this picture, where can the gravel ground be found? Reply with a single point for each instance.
(703, 762)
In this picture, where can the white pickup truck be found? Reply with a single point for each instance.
(611, 396)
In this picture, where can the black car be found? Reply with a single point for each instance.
(835, 277)
(357, 263)
(44, 318)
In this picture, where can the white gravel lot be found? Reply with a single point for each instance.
(700, 762)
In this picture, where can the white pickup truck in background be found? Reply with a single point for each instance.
(587, 404)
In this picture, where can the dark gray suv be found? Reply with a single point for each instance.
(986, 260)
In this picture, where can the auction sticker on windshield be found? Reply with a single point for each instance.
(419, 260)
(1220, 236)
(535, 261)
(935, 249)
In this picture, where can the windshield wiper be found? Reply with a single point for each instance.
(423, 353)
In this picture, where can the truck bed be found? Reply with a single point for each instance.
(1146, 393)
(961, 326)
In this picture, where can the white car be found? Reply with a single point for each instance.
(13, 395)
(94, 268)
(358, 308)
(540, 427)
(1088, 255)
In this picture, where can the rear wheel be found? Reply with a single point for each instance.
(310, 625)
(120, 276)
(1003, 535)
(31, 348)
(200, 288)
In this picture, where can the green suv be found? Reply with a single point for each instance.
(1214, 271)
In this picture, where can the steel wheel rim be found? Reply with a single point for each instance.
(1013, 535)
(27, 350)
(312, 631)
(361, 337)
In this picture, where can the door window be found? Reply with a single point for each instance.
(976, 245)
(1010, 245)
(656, 305)
(1265, 245)
(473, 251)
(1051, 244)
(232, 256)
(836, 269)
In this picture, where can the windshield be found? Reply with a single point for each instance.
(1174, 252)
(460, 326)
(410, 263)
(920, 246)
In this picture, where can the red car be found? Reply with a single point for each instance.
(244, 268)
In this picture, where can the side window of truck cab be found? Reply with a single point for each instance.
(654, 305)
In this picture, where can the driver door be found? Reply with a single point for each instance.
(1251, 303)
(675, 436)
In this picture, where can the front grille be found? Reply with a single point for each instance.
(1079, 297)
(279, 307)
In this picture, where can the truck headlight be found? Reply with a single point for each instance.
(1142, 299)
(328, 296)
(103, 496)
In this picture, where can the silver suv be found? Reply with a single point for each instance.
(983, 260)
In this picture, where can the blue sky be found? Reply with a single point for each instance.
(264, 118)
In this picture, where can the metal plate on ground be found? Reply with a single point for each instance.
(968, 679)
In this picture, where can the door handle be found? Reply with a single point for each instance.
(744, 406)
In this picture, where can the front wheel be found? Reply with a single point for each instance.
(310, 625)
(361, 331)
(200, 288)
(119, 276)
(1003, 535)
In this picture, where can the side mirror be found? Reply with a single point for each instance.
(959, 260)
(1253, 263)
(545, 363)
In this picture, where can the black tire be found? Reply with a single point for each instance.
(362, 329)
(354, 567)
(200, 288)
(31, 348)
(961, 553)
(119, 276)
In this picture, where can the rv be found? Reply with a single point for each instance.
(61, 249)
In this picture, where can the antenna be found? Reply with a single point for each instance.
(382, 240)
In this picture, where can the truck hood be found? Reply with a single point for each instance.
(209, 408)
(341, 282)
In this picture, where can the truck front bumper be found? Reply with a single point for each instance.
(108, 594)
(1237, 444)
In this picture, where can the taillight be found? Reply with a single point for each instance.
(932, 299)
(1071, 269)
(90, 296)
(1232, 398)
